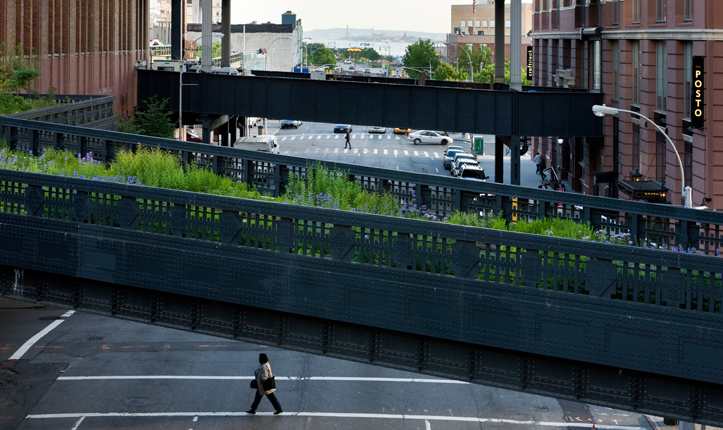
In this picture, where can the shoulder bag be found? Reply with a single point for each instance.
(270, 383)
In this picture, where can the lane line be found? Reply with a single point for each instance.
(29, 344)
(427, 425)
(77, 423)
(336, 415)
(67, 314)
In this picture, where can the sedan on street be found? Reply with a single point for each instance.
(377, 130)
(449, 156)
(459, 164)
(428, 136)
(290, 123)
(342, 128)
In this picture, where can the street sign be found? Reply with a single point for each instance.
(697, 117)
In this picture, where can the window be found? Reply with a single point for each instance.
(635, 147)
(596, 72)
(635, 46)
(615, 8)
(688, 163)
(660, 10)
(661, 149)
(616, 69)
(661, 75)
(492, 23)
(464, 24)
(687, 77)
(476, 24)
(636, 11)
(687, 10)
(484, 23)
(507, 24)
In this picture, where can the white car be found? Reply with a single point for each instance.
(461, 163)
(428, 136)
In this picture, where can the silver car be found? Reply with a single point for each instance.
(458, 165)
(460, 156)
(428, 136)
(449, 156)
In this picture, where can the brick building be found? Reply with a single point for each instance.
(640, 55)
(84, 46)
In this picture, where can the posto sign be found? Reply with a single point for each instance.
(697, 113)
(529, 62)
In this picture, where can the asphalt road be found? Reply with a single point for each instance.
(387, 151)
(93, 372)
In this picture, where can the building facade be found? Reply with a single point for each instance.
(655, 57)
(193, 11)
(481, 21)
(83, 46)
(266, 46)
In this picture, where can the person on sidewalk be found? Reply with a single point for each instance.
(539, 164)
(263, 374)
(347, 140)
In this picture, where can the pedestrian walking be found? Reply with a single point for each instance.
(265, 385)
(347, 140)
(540, 164)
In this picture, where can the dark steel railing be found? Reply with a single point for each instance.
(673, 226)
(80, 110)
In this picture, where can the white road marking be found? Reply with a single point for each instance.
(385, 152)
(327, 136)
(345, 150)
(365, 150)
(29, 344)
(353, 136)
(355, 150)
(425, 154)
(389, 137)
(436, 169)
(395, 156)
(380, 137)
(318, 137)
(375, 151)
(427, 425)
(293, 137)
(67, 314)
(436, 155)
(307, 149)
(406, 152)
(416, 153)
(77, 423)
(335, 415)
(336, 136)
(336, 150)
(287, 152)
(195, 419)
(283, 139)
(301, 138)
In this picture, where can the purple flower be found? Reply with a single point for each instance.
(630, 242)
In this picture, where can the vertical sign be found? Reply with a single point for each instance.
(697, 99)
(529, 62)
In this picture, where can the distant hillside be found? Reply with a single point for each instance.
(361, 33)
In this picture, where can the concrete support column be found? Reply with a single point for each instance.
(515, 160)
(176, 28)
(499, 42)
(224, 130)
(207, 42)
(233, 128)
(499, 159)
(516, 47)
(226, 30)
(206, 123)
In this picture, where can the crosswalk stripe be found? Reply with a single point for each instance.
(375, 151)
(416, 153)
(336, 136)
(355, 150)
(365, 150)
(353, 136)
(318, 137)
(389, 137)
(406, 152)
(327, 136)
(345, 150)
(436, 155)
(395, 153)
(336, 150)
(293, 137)
(385, 152)
(283, 139)
(301, 138)
(425, 154)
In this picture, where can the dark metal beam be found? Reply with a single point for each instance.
(503, 113)
(226, 30)
(176, 28)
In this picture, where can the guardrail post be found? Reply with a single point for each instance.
(104, 151)
(681, 233)
(56, 140)
(277, 180)
(419, 199)
(33, 135)
(214, 163)
(634, 227)
(81, 150)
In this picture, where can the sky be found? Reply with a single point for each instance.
(431, 16)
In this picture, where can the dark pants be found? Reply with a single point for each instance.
(347, 143)
(272, 398)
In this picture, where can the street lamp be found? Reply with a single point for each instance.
(471, 74)
(272, 42)
(430, 64)
(181, 135)
(306, 53)
(606, 110)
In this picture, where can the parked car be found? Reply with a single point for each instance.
(449, 156)
(193, 137)
(398, 130)
(470, 171)
(428, 136)
(351, 68)
(367, 70)
(459, 164)
(449, 148)
(377, 130)
(342, 128)
(287, 123)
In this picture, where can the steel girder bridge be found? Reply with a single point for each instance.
(626, 327)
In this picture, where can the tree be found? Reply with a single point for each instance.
(481, 57)
(323, 56)
(155, 120)
(445, 72)
(420, 55)
(215, 50)
(488, 74)
(18, 72)
(370, 54)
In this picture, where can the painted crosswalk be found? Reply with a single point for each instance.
(375, 151)
(337, 136)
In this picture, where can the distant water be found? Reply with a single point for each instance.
(396, 49)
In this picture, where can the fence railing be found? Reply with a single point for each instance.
(80, 110)
(688, 230)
